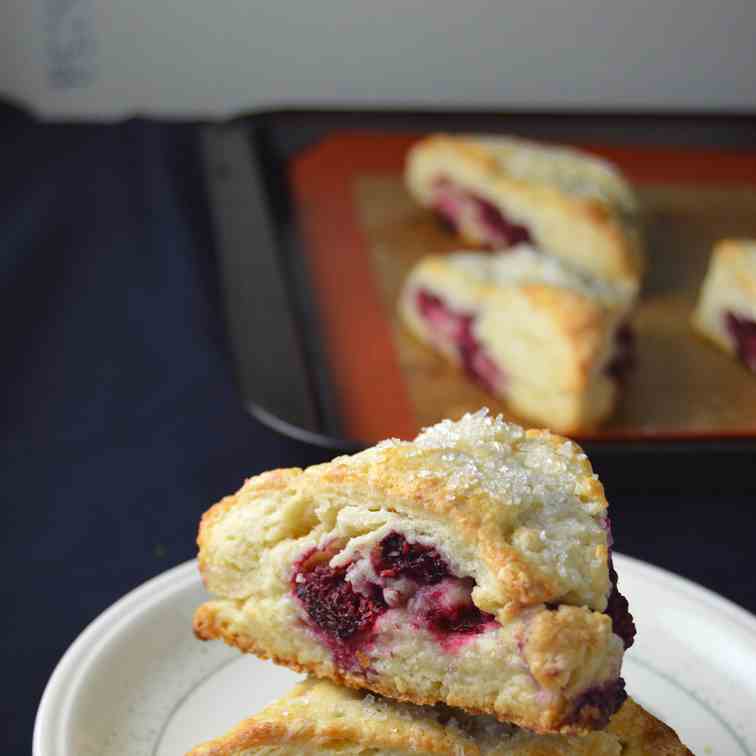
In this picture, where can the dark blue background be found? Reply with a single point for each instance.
(121, 420)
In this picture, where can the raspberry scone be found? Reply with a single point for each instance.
(318, 717)
(468, 567)
(726, 311)
(499, 191)
(551, 343)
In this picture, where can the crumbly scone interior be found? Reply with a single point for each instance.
(502, 523)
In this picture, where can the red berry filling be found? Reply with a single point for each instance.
(410, 577)
(618, 610)
(342, 618)
(449, 609)
(333, 605)
(617, 607)
(396, 557)
(445, 609)
(742, 331)
(596, 706)
(452, 203)
(457, 328)
(623, 359)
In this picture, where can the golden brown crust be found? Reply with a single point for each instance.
(473, 516)
(595, 234)
(563, 634)
(739, 255)
(583, 324)
(318, 717)
(641, 734)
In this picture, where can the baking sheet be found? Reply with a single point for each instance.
(680, 384)
(361, 234)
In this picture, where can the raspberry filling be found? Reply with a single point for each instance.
(617, 607)
(623, 358)
(618, 610)
(457, 328)
(343, 604)
(596, 705)
(448, 609)
(742, 331)
(440, 602)
(395, 557)
(458, 208)
(333, 605)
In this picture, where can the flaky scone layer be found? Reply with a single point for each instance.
(517, 517)
(729, 286)
(551, 332)
(576, 206)
(317, 717)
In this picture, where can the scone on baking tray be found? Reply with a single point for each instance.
(553, 344)
(498, 191)
(726, 310)
(318, 717)
(468, 567)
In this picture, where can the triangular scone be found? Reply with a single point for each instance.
(469, 567)
(499, 191)
(550, 342)
(726, 309)
(318, 717)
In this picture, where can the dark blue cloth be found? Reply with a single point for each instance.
(121, 420)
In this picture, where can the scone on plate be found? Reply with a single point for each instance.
(553, 344)
(318, 717)
(499, 191)
(726, 310)
(469, 567)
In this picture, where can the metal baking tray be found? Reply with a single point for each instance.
(301, 201)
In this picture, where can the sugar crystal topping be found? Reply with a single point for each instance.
(522, 264)
(539, 485)
(484, 451)
(573, 171)
(460, 724)
(539, 488)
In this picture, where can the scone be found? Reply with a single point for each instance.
(499, 191)
(551, 343)
(318, 717)
(469, 567)
(726, 311)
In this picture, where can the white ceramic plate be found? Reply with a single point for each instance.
(137, 682)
